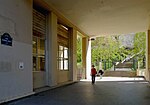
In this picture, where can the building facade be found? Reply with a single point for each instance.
(38, 49)
(42, 49)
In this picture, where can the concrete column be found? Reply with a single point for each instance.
(88, 60)
(51, 51)
(73, 55)
(84, 53)
(147, 74)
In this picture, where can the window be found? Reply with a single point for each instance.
(63, 49)
(62, 57)
(39, 32)
(38, 54)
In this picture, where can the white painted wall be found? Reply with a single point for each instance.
(63, 76)
(16, 19)
(39, 79)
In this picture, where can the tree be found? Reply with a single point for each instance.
(79, 45)
(140, 43)
(140, 47)
(106, 49)
(110, 49)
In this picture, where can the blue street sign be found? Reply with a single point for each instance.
(6, 39)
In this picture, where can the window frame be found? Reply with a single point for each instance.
(59, 58)
(38, 54)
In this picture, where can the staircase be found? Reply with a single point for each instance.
(122, 70)
(125, 66)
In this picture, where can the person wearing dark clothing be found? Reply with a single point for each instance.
(93, 74)
(100, 73)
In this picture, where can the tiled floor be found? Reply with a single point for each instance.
(101, 93)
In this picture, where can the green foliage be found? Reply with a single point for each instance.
(106, 65)
(79, 49)
(140, 47)
(140, 44)
(106, 48)
(110, 48)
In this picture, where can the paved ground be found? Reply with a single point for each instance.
(101, 93)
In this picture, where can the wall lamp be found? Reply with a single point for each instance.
(91, 39)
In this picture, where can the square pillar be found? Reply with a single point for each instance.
(88, 60)
(51, 51)
(84, 53)
(86, 57)
(147, 74)
(73, 55)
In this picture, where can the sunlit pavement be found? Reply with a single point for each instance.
(116, 79)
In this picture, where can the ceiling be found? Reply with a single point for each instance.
(106, 17)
